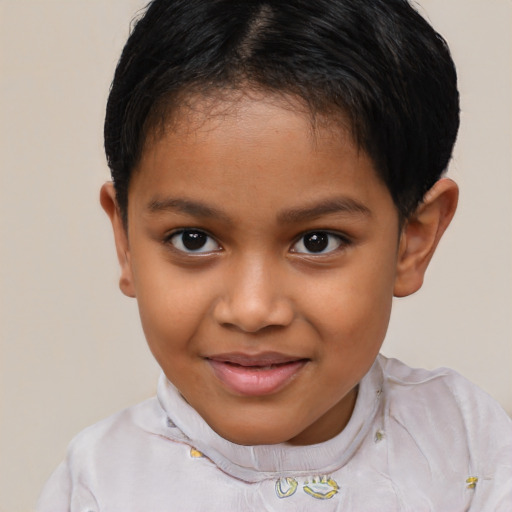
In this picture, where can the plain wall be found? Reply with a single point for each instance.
(72, 350)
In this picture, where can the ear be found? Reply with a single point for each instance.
(109, 204)
(422, 233)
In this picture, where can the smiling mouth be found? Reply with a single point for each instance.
(255, 376)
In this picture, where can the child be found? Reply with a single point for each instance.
(276, 181)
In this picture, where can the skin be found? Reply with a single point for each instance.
(256, 177)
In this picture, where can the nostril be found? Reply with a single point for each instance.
(251, 316)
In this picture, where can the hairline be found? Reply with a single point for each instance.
(165, 113)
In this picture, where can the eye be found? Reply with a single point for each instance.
(193, 241)
(318, 242)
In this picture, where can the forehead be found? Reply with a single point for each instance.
(198, 113)
(259, 150)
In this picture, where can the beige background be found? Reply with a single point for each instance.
(72, 350)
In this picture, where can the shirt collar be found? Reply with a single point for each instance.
(256, 463)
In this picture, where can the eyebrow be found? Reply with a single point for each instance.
(329, 206)
(343, 205)
(186, 206)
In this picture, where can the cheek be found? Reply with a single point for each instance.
(353, 307)
(172, 306)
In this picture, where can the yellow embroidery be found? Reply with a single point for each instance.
(379, 436)
(471, 481)
(195, 453)
(283, 492)
(321, 488)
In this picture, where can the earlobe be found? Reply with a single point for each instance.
(109, 204)
(421, 234)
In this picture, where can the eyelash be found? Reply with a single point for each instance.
(320, 239)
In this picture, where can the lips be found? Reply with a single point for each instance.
(257, 375)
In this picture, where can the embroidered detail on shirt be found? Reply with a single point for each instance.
(288, 489)
(170, 423)
(321, 488)
(195, 454)
(379, 436)
(471, 481)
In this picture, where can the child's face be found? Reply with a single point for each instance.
(263, 257)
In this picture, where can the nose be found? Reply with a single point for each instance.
(254, 298)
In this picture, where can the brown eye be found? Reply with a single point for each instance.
(193, 241)
(318, 242)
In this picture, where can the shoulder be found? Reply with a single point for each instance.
(75, 478)
(112, 460)
(124, 422)
(118, 435)
(443, 390)
(454, 424)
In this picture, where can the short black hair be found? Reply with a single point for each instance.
(377, 63)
